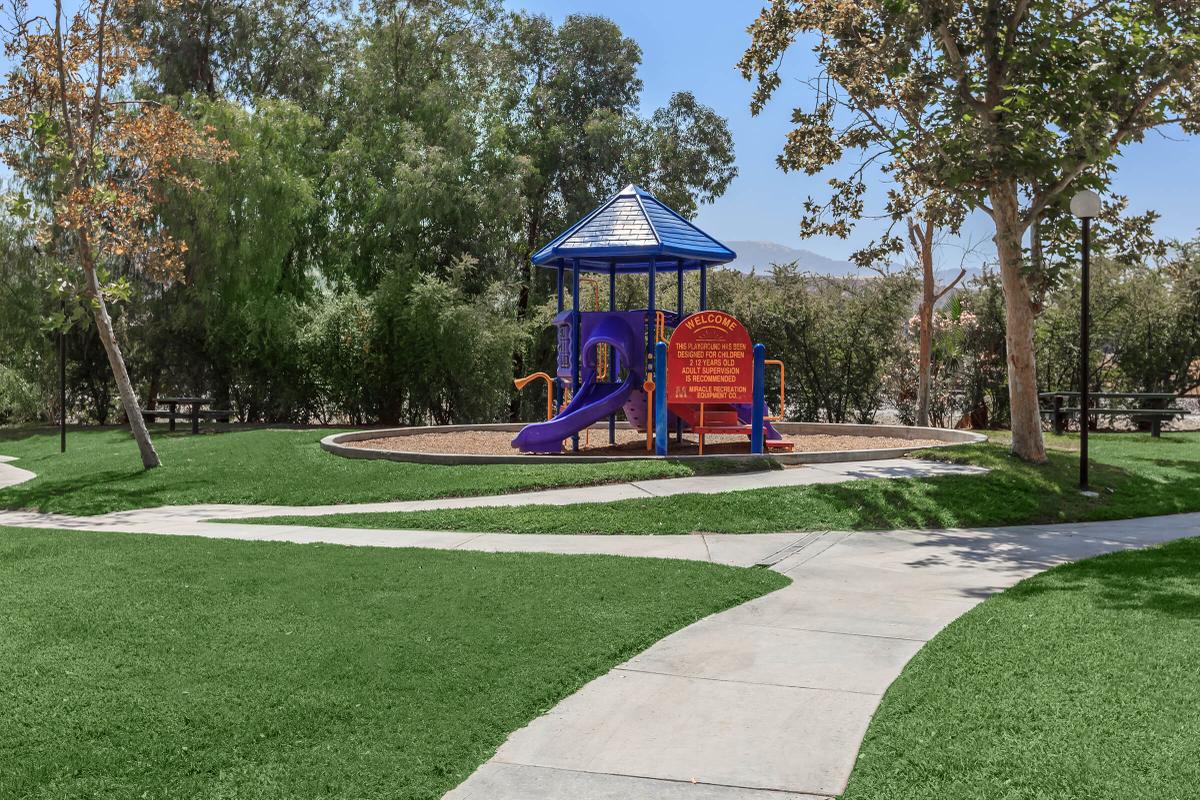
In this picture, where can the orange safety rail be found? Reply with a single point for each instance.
(521, 383)
(602, 367)
(779, 364)
(595, 284)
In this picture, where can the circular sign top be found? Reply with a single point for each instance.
(710, 359)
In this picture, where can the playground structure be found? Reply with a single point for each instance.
(698, 373)
(666, 371)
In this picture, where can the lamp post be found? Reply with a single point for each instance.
(62, 382)
(1086, 206)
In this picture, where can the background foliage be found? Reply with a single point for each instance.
(365, 256)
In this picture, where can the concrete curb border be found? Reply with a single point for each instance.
(337, 444)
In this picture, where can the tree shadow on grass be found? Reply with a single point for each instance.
(94, 494)
(1013, 494)
(1162, 580)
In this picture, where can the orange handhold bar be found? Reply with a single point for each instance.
(602, 367)
(779, 364)
(521, 383)
(595, 284)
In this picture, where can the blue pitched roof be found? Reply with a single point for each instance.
(630, 231)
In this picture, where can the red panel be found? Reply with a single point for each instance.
(710, 359)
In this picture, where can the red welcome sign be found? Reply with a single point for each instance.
(710, 360)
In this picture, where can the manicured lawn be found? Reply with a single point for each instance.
(101, 472)
(1077, 684)
(172, 667)
(1136, 475)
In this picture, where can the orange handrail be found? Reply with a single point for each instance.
(595, 284)
(660, 326)
(602, 367)
(779, 364)
(521, 383)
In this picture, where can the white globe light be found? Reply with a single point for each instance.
(1086, 204)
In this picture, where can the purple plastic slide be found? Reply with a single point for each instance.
(594, 401)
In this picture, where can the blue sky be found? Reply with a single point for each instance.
(695, 44)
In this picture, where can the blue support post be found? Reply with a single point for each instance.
(679, 312)
(704, 287)
(576, 330)
(757, 423)
(652, 321)
(614, 360)
(660, 398)
(558, 389)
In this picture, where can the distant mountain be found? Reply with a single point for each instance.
(759, 256)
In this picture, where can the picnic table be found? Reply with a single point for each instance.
(1153, 407)
(197, 410)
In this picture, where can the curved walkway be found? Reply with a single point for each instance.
(765, 701)
(771, 699)
(10, 475)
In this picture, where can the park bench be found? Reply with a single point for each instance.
(197, 412)
(1155, 410)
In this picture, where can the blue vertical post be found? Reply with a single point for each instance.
(757, 423)
(575, 343)
(660, 398)
(651, 321)
(614, 364)
(704, 287)
(558, 392)
(679, 313)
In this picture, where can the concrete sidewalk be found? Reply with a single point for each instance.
(771, 699)
(805, 475)
(10, 475)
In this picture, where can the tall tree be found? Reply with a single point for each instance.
(921, 236)
(575, 93)
(1022, 101)
(93, 163)
(242, 49)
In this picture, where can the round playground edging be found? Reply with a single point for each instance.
(339, 444)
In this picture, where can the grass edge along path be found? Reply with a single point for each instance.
(1136, 474)
(180, 667)
(1077, 683)
(101, 472)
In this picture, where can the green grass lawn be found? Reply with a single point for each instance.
(101, 472)
(1077, 684)
(1136, 474)
(137, 666)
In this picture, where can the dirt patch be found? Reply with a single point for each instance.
(628, 442)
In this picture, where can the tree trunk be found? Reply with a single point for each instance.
(1019, 328)
(924, 242)
(925, 359)
(533, 230)
(137, 423)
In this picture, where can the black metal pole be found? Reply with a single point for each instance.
(1084, 350)
(63, 391)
